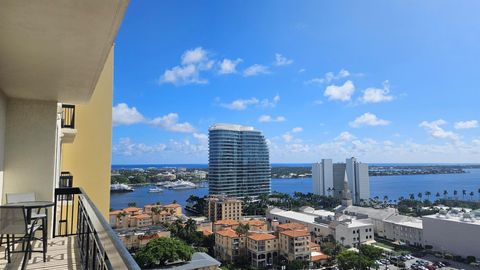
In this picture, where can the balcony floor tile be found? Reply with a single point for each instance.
(62, 254)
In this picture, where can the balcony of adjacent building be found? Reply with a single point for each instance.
(67, 123)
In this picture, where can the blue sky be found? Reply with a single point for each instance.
(386, 81)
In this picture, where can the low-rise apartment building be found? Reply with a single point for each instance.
(149, 215)
(295, 244)
(225, 224)
(135, 238)
(229, 246)
(141, 220)
(262, 249)
(221, 207)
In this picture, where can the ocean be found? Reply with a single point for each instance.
(391, 186)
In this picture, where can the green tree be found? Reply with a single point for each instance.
(160, 251)
(297, 265)
(371, 252)
(352, 260)
(242, 229)
(132, 204)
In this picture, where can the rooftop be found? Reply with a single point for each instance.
(232, 127)
(254, 222)
(261, 236)
(131, 209)
(472, 217)
(228, 233)
(172, 205)
(294, 233)
(229, 222)
(199, 260)
(142, 216)
(291, 226)
(405, 221)
(379, 214)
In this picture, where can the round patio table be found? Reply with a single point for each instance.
(36, 205)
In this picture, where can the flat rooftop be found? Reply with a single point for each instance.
(232, 127)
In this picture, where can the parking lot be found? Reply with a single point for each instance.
(428, 262)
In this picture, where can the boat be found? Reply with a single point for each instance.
(120, 188)
(155, 190)
(180, 184)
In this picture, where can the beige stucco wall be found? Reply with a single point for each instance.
(30, 138)
(88, 158)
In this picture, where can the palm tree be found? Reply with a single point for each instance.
(455, 193)
(478, 194)
(437, 195)
(464, 192)
(385, 198)
(419, 195)
(342, 239)
(445, 194)
(242, 229)
(428, 193)
(471, 195)
(412, 196)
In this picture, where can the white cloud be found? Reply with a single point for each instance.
(126, 147)
(318, 102)
(281, 60)
(368, 119)
(301, 70)
(297, 129)
(268, 118)
(287, 137)
(436, 131)
(343, 92)
(194, 56)
(228, 66)
(376, 95)
(240, 104)
(276, 98)
(170, 123)
(192, 63)
(345, 137)
(124, 115)
(255, 69)
(466, 124)
(267, 103)
(329, 77)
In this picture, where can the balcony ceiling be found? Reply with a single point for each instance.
(56, 49)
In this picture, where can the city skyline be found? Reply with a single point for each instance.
(375, 86)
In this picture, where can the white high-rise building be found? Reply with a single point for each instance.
(358, 179)
(322, 177)
(359, 182)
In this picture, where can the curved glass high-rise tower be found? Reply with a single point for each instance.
(238, 161)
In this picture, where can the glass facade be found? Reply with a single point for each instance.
(238, 161)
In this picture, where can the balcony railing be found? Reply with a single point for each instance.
(99, 246)
(68, 116)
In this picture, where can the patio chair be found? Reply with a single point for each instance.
(30, 197)
(13, 223)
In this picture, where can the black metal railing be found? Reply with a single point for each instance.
(99, 246)
(68, 116)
